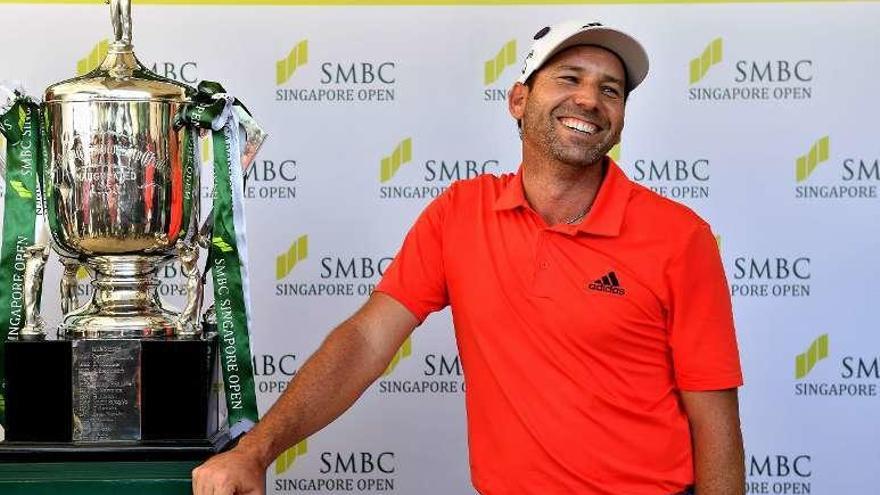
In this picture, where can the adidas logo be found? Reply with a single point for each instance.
(608, 283)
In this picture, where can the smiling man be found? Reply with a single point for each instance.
(592, 315)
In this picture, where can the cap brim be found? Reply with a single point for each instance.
(630, 51)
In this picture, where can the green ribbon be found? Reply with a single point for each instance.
(21, 125)
(212, 109)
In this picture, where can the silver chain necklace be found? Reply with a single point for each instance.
(582, 215)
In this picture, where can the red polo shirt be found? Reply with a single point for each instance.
(574, 339)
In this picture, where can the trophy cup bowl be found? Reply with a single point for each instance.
(115, 191)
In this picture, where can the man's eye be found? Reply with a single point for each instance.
(610, 91)
(571, 79)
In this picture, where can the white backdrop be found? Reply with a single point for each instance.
(800, 258)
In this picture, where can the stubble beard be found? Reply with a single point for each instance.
(552, 144)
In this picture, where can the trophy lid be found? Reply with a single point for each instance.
(120, 76)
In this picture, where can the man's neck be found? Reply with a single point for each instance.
(558, 192)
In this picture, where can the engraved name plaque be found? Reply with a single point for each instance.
(106, 390)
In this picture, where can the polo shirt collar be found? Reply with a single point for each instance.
(513, 195)
(605, 217)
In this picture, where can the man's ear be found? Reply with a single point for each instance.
(516, 100)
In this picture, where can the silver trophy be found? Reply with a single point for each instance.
(114, 196)
(113, 182)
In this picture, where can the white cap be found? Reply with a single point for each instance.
(553, 39)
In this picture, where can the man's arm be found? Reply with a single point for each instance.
(719, 466)
(350, 359)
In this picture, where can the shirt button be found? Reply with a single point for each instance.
(544, 265)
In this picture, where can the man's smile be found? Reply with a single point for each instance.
(579, 125)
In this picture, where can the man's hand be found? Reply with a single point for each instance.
(231, 473)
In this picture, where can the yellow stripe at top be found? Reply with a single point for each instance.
(425, 2)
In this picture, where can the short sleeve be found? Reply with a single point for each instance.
(416, 278)
(701, 330)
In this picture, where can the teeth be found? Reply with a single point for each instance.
(580, 125)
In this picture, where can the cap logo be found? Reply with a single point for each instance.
(525, 66)
(543, 32)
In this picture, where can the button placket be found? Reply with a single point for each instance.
(543, 284)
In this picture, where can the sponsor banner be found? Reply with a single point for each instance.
(779, 473)
(309, 73)
(819, 372)
(408, 173)
(823, 174)
(417, 370)
(326, 274)
(685, 179)
(769, 276)
(758, 117)
(725, 71)
(305, 469)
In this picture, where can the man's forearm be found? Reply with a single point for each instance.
(351, 357)
(324, 387)
(719, 466)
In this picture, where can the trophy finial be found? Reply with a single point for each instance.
(120, 13)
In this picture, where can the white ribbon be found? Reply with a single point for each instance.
(9, 91)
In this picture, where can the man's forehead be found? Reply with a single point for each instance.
(607, 58)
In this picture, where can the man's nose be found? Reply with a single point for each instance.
(586, 96)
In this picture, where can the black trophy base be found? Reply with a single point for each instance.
(175, 401)
(156, 468)
(168, 451)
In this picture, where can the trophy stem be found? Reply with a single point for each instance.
(120, 61)
(125, 303)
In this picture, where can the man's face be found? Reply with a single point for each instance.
(573, 111)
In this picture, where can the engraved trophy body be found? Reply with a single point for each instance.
(115, 171)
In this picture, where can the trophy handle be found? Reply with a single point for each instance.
(188, 321)
(35, 263)
(69, 298)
